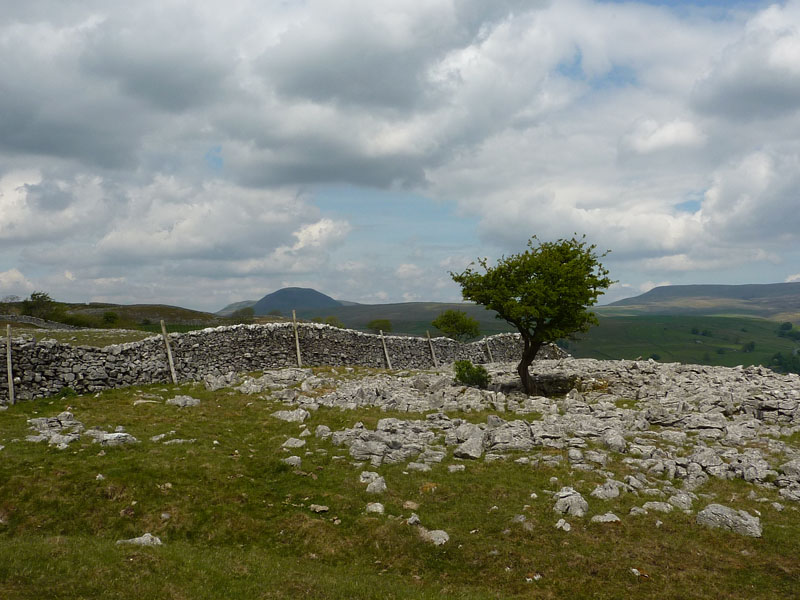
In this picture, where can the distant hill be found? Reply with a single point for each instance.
(408, 317)
(776, 301)
(232, 308)
(287, 299)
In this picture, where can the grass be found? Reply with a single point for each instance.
(239, 523)
(681, 339)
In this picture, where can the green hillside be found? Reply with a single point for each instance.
(726, 341)
(413, 318)
(776, 301)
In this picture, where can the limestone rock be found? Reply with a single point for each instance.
(608, 517)
(570, 502)
(437, 537)
(377, 486)
(183, 401)
(723, 517)
(471, 448)
(292, 416)
(144, 540)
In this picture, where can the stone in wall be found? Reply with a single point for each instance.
(43, 368)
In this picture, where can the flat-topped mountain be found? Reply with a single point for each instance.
(777, 301)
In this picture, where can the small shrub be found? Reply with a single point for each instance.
(471, 375)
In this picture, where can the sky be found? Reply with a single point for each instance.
(199, 153)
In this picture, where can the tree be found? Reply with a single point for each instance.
(457, 325)
(543, 292)
(377, 325)
(334, 321)
(40, 305)
(243, 315)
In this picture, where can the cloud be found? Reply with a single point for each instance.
(759, 75)
(650, 136)
(165, 148)
(13, 282)
(755, 198)
(792, 278)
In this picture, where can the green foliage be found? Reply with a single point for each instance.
(457, 325)
(243, 315)
(110, 317)
(334, 322)
(377, 325)
(749, 346)
(39, 305)
(471, 375)
(786, 330)
(544, 292)
(275, 313)
(785, 363)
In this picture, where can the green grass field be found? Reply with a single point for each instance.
(682, 339)
(235, 520)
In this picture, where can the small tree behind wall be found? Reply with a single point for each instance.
(544, 292)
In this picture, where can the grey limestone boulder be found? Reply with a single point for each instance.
(376, 486)
(292, 416)
(437, 537)
(723, 517)
(183, 401)
(147, 539)
(472, 448)
(570, 502)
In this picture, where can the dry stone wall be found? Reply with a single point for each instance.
(43, 368)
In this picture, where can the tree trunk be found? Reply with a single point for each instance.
(528, 354)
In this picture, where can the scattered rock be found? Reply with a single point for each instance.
(606, 518)
(293, 461)
(563, 525)
(570, 502)
(377, 486)
(293, 443)
(183, 401)
(144, 540)
(292, 416)
(723, 517)
(437, 537)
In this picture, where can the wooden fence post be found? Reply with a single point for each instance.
(385, 351)
(8, 366)
(430, 345)
(489, 350)
(296, 339)
(169, 352)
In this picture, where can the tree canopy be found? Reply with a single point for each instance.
(544, 292)
(457, 325)
(39, 304)
(377, 325)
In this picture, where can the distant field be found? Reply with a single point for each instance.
(671, 339)
(413, 318)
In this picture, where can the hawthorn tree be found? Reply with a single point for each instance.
(544, 292)
(457, 325)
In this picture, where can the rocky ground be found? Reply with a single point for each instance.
(670, 427)
(675, 426)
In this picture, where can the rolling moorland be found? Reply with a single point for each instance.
(262, 487)
(712, 325)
